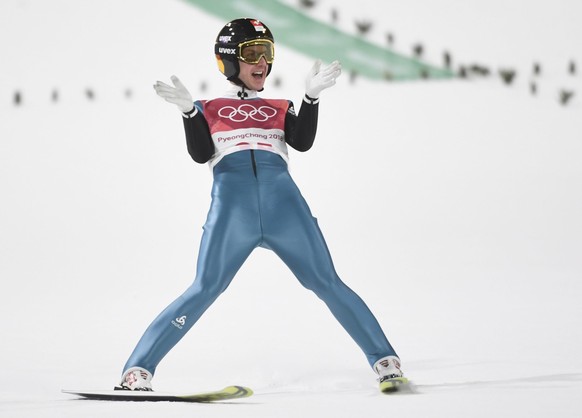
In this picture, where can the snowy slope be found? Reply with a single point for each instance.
(460, 225)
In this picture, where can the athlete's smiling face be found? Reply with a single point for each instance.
(253, 75)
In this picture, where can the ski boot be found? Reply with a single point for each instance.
(390, 376)
(136, 378)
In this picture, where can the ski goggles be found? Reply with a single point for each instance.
(251, 52)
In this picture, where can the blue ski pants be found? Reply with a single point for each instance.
(255, 203)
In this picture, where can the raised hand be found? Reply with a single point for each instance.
(178, 94)
(320, 78)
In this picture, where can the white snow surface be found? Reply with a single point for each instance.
(456, 218)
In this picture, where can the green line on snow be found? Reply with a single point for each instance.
(319, 40)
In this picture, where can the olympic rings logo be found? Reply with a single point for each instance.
(246, 111)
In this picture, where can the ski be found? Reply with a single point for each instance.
(228, 393)
(393, 385)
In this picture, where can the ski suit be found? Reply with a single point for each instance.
(255, 203)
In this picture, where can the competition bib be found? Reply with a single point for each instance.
(237, 125)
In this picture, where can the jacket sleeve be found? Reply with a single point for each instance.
(198, 138)
(300, 129)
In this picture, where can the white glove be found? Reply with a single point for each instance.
(320, 79)
(178, 95)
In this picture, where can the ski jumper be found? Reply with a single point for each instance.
(255, 203)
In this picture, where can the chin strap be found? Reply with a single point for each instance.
(242, 94)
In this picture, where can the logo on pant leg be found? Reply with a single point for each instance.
(179, 322)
